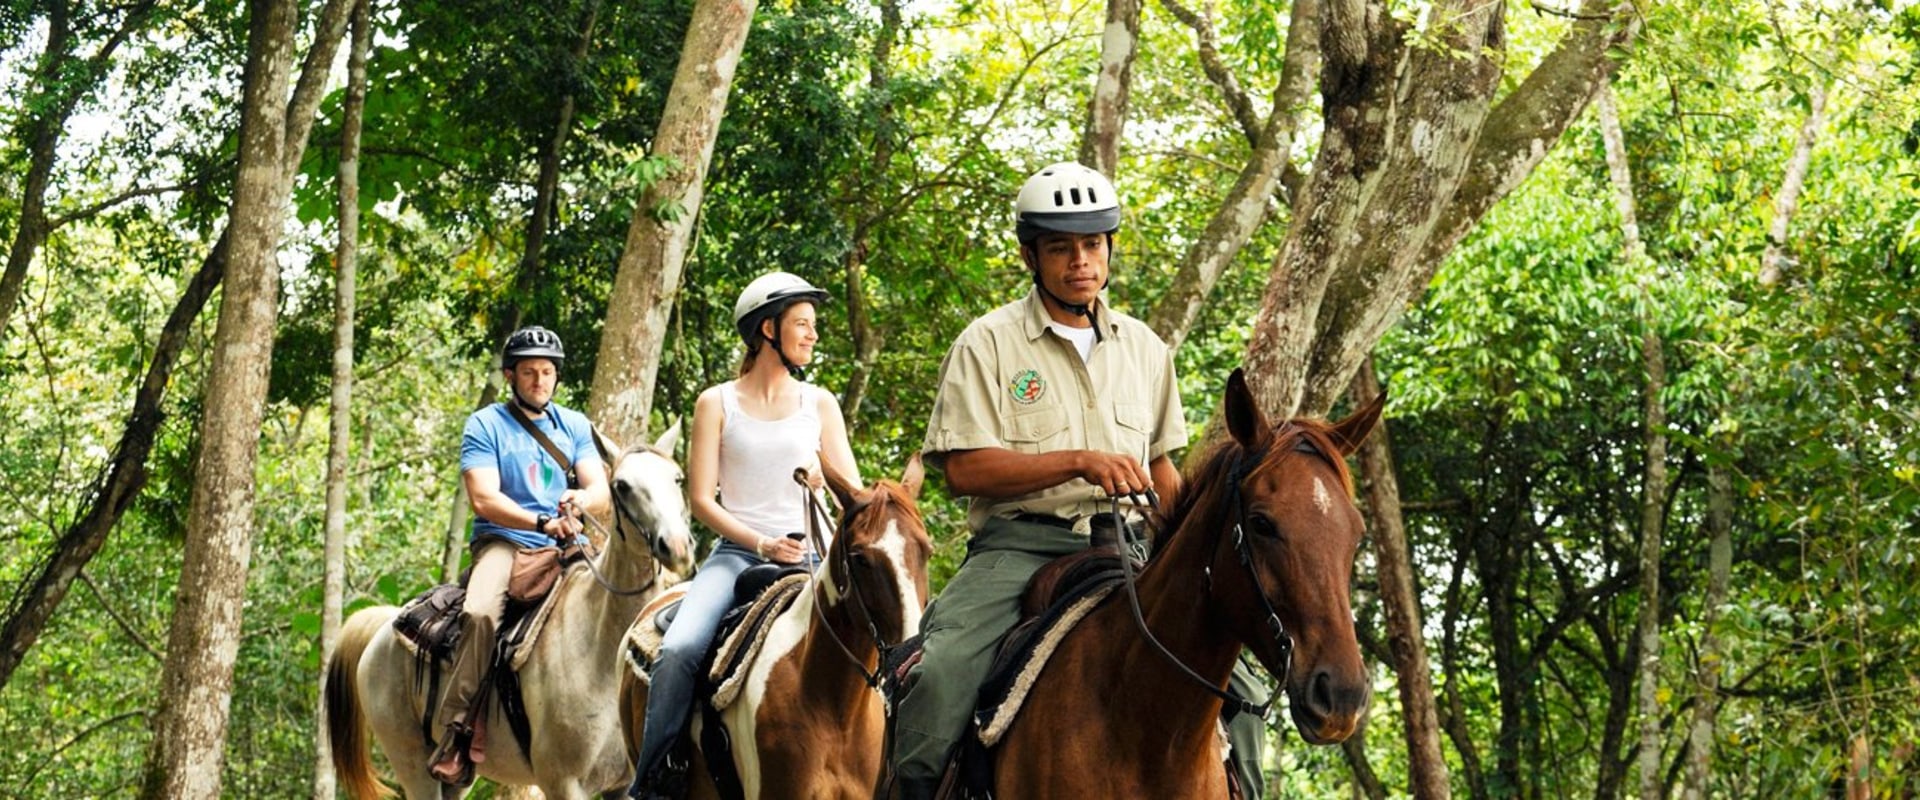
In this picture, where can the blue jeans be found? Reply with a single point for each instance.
(670, 694)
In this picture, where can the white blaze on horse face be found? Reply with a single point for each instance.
(1322, 499)
(894, 544)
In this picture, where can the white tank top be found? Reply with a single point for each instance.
(757, 459)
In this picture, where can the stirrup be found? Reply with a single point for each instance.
(450, 763)
(665, 780)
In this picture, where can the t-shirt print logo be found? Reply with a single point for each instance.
(540, 473)
(1027, 387)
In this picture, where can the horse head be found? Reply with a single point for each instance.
(650, 504)
(879, 555)
(1299, 532)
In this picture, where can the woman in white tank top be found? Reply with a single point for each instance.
(749, 434)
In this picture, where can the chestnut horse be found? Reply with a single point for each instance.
(809, 722)
(568, 682)
(1257, 552)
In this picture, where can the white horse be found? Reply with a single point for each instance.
(569, 683)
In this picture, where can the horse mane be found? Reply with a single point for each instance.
(1212, 476)
(885, 494)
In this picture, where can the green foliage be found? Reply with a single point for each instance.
(1517, 380)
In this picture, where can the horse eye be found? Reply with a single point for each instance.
(1263, 526)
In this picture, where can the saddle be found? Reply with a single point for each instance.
(428, 626)
(760, 594)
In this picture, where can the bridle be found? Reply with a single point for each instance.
(1242, 468)
(817, 513)
(586, 546)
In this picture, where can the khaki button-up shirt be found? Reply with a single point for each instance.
(1011, 382)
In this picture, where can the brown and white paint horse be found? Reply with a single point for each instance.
(569, 682)
(1266, 524)
(809, 722)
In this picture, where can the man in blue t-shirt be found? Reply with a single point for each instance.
(522, 498)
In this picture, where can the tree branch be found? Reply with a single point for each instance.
(91, 211)
(125, 626)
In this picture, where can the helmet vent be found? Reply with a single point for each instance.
(1057, 199)
(1075, 192)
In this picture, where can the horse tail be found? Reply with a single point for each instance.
(346, 725)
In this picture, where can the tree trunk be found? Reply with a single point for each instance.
(120, 479)
(1107, 110)
(1247, 205)
(1454, 716)
(648, 277)
(340, 407)
(1652, 516)
(1774, 262)
(1620, 175)
(866, 339)
(1706, 701)
(1366, 782)
(1411, 156)
(197, 683)
(1653, 489)
(124, 476)
(57, 90)
(1426, 763)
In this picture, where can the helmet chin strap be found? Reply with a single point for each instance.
(1076, 309)
(798, 372)
(524, 405)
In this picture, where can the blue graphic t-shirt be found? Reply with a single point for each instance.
(528, 475)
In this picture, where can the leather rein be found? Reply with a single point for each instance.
(1242, 468)
(816, 514)
(586, 546)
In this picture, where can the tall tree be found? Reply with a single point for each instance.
(509, 316)
(1774, 261)
(654, 256)
(1413, 152)
(1711, 661)
(866, 195)
(1107, 110)
(1400, 597)
(340, 407)
(1653, 482)
(196, 685)
(122, 478)
(1247, 205)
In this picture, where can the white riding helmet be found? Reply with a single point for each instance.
(772, 290)
(1066, 198)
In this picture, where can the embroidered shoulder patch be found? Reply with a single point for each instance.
(1027, 387)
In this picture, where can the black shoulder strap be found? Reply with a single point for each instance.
(566, 464)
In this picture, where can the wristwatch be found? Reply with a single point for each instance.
(540, 523)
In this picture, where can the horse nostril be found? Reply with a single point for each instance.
(1320, 693)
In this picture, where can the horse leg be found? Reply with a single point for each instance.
(384, 677)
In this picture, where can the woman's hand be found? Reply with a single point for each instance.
(781, 550)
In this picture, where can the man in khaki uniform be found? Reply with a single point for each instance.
(1047, 407)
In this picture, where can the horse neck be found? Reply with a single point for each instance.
(1175, 605)
(828, 674)
(626, 566)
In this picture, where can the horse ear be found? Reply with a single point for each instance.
(913, 476)
(1244, 420)
(609, 449)
(1350, 432)
(668, 440)
(841, 486)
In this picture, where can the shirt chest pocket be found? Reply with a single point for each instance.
(1036, 430)
(1134, 432)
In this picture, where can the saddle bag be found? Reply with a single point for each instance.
(536, 570)
(432, 620)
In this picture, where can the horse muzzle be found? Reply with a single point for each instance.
(1326, 707)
